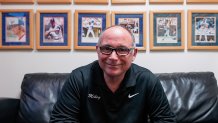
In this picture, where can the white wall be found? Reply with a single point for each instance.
(14, 64)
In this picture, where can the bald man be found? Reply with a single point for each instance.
(112, 89)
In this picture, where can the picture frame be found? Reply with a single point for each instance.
(167, 30)
(201, 1)
(88, 25)
(202, 29)
(16, 29)
(18, 1)
(53, 29)
(135, 22)
(54, 1)
(166, 1)
(128, 1)
(91, 1)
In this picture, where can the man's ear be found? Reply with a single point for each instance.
(134, 54)
(96, 48)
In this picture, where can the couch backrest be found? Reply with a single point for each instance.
(38, 95)
(192, 96)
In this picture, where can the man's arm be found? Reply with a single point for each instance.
(67, 107)
(159, 109)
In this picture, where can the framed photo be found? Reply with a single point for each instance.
(202, 29)
(54, 1)
(17, 1)
(88, 26)
(135, 22)
(16, 29)
(53, 29)
(128, 1)
(91, 1)
(166, 30)
(165, 1)
(202, 1)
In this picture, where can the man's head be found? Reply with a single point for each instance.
(116, 50)
(52, 22)
(17, 26)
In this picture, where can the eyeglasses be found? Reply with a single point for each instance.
(120, 51)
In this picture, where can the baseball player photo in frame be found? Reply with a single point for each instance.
(91, 1)
(167, 30)
(17, 1)
(54, 1)
(166, 1)
(53, 29)
(17, 29)
(202, 29)
(88, 25)
(128, 1)
(135, 22)
(201, 1)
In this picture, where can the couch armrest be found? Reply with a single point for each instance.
(8, 109)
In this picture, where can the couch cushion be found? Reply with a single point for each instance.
(192, 96)
(39, 93)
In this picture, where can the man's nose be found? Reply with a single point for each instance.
(114, 55)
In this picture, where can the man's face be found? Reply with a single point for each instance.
(52, 24)
(15, 29)
(114, 65)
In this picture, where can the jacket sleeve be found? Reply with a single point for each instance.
(67, 107)
(159, 108)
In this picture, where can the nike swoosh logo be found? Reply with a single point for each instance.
(130, 96)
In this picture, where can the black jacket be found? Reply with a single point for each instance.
(85, 98)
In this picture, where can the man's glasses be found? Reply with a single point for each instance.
(120, 51)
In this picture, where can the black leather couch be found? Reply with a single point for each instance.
(193, 97)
